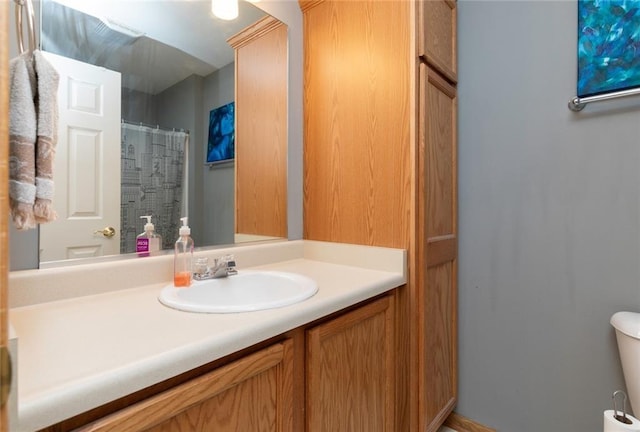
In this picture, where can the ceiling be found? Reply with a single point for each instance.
(154, 43)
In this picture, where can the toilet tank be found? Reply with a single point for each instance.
(627, 325)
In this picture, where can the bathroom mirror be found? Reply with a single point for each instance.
(176, 68)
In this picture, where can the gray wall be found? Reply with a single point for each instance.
(138, 107)
(549, 223)
(289, 12)
(218, 180)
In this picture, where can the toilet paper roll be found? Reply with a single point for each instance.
(611, 424)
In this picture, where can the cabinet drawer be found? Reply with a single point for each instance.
(437, 30)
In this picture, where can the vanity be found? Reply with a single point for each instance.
(98, 351)
(374, 349)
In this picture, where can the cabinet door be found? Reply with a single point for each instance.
(436, 300)
(437, 36)
(254, 393)
(350, 371)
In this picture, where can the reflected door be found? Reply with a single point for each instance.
(87, 154)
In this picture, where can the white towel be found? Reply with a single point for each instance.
(47, 114)
(33, 120)
(22, 138)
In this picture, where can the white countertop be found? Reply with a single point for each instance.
(77, 353)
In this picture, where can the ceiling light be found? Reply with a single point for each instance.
(225, 9)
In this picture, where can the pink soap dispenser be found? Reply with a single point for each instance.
(149, 241)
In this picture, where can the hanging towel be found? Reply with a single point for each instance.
(22, 139)
(47, 128)
(33, 119)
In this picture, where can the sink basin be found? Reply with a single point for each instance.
(244, 292)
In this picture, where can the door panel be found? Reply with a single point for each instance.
(440, 346)
(87, 164)
(437, 251)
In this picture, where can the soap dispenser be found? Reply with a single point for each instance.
(149, 241)
(182, 271)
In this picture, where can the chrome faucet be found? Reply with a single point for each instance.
(222, 267)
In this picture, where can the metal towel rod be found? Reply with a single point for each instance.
(28, 5)
(577, 103)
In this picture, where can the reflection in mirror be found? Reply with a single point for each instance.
(148, 84)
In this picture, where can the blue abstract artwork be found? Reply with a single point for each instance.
(608, 46)
(221, 143)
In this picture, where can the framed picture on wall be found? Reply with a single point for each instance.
(221, 142)
(608, 46)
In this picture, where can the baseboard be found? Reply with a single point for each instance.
(462, 424)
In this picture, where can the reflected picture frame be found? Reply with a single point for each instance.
(221, 138)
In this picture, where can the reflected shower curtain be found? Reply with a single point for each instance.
(153, 166)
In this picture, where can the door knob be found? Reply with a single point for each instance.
(108, 232)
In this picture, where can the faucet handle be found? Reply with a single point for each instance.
(231, 264)
(223, 259)
(201, 268)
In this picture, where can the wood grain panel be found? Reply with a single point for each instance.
(254, 393)
(440, 355)
(84, 173)
(440, 106)
(350, 371)
(435, 294)
(441, 249)
(4, 187)
(357, 173)
(261, 132)
(254, 31)
(213, 414)
(437, 39)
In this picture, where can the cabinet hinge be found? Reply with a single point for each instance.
(5, 375)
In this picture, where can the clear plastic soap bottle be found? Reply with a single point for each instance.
(149, 241)
(183, 257)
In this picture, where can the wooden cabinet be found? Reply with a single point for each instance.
(254, 393)
(351, 371)
(380, 169)
(336, 374)
(261, 60)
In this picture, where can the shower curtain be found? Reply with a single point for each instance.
(153, 168)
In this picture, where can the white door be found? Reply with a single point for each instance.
(87, 164)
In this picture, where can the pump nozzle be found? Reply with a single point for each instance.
(148, 226)
(184, 229)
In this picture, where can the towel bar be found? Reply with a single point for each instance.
(577, 103)
(28, 5)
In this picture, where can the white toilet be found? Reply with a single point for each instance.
(627, 325)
